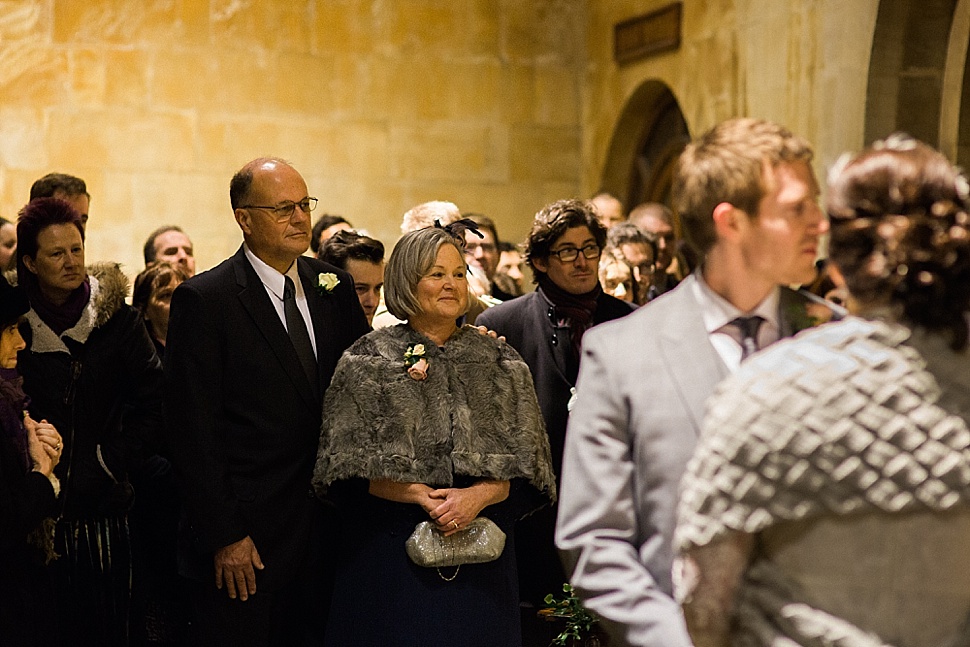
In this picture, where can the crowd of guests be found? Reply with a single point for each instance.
(241, 457)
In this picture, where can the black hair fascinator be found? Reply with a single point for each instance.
(458, 228)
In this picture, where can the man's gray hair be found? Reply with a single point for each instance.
(414, 254)
(424, 215)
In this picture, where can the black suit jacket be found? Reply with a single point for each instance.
(244, 419)
(529, 325)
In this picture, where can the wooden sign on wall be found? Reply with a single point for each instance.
(657, 31)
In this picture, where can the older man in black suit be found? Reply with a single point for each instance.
(252, 344)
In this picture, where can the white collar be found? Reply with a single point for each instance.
(270, 277)
(718, 312)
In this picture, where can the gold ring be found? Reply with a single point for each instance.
(57, 447)
(455, 524)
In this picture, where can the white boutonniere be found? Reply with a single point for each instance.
(416, 362)
(326, 282)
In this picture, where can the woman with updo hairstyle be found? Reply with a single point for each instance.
(828, 501)
(899, 236)
(429, 422)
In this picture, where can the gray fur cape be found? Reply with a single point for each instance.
(476, 414)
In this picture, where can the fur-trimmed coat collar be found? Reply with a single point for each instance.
(476, 414)
(109, 288)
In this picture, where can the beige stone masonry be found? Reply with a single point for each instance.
(380, 104)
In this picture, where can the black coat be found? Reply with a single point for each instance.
(529, 325)
(102, 390)
(26, 498)
(245, 420)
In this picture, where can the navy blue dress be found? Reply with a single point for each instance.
(382, 598)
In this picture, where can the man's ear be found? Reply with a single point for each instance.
(541, 264)
(243, 220)
(29, 264)
(727, 221)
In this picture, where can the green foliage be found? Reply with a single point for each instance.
(579, 620)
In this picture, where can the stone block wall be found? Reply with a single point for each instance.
(803, 63)
(381, 104)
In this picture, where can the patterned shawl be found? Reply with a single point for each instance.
(844, 419)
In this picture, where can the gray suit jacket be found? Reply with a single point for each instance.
(643, 384)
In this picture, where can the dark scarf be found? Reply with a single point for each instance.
(63, 317)
(13, 401)
(577, 309)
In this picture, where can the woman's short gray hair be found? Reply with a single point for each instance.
(414, 254)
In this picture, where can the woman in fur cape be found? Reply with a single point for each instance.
(828, 501)
(428, 421)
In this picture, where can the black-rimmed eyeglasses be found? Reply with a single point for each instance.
(285, 210)
(570, 254)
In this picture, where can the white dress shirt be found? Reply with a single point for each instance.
(718, 314)
(273, 281)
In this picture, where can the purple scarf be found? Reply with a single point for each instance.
(13, 401)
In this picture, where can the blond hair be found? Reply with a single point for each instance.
(728, 164)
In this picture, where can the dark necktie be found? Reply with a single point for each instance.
(296, 327)
(749, 334)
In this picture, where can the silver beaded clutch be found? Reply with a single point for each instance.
(481, 541)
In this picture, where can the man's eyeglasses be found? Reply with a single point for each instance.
(474, 246)
(285, 210)
(570, 254)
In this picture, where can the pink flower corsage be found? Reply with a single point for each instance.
(419, 370)
(416, 362)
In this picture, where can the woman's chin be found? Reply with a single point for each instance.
(445, 315)
(71, 284)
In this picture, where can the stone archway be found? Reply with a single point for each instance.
(955, 112)
(648, 137)
(918, 80)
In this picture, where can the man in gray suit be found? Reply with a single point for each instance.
(747, 197)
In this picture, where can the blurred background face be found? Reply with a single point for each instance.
(666, 241)
(510, 273)
(616, 279)
(482, 252)
(368, 281)
(639, 256)
(11, 343)
(328, 233)
(609, 210)
(59, 264)
(175, 247)
(8, 246)
(79, 201)
(159, 306)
